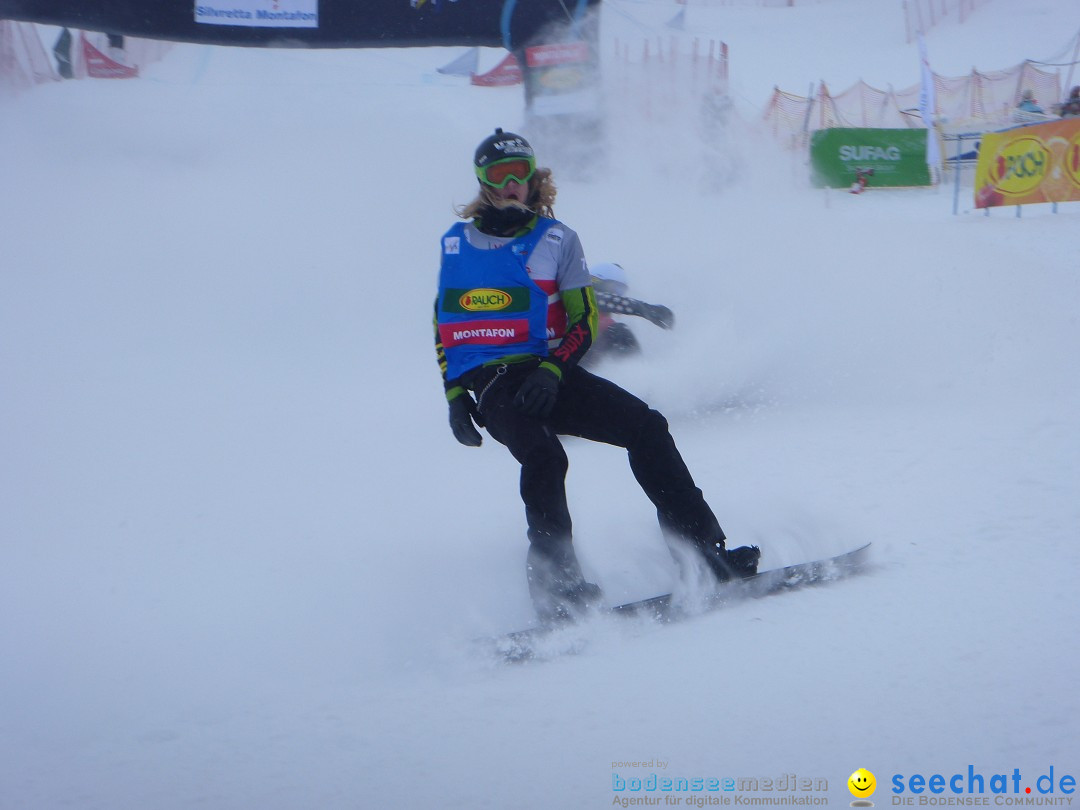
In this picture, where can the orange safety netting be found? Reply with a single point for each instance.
(977, 101)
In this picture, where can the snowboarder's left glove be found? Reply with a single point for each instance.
(462, 415)
(538, 392)
(660, 315)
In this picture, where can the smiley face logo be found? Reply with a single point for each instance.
(862, 784)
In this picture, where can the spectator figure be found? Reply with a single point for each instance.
(1071, 107)
(1029, 104)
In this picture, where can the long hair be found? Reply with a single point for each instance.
(541, 199)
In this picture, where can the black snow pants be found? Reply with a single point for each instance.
(592, 408)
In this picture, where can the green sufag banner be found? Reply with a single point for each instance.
(897, 157)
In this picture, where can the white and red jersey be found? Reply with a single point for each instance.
(557, 264)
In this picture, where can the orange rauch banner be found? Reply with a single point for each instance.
(1035, 164)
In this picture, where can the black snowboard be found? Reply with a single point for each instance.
(523, 645)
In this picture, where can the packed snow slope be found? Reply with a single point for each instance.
(244, 559)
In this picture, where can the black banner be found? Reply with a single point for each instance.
(318, 24)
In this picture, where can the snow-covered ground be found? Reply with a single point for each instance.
(243, 557)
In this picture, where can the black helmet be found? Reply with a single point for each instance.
(502, 145)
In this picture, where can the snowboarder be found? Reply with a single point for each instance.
(862, 180)
(615, 338)
(515, 313)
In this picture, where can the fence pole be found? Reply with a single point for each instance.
(809, 112)
(1076, 51)
(956, 171)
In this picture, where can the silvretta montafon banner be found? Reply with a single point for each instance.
(510, 24)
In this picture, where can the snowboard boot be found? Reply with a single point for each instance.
(727, 564)
(558, 588)
(568, 605)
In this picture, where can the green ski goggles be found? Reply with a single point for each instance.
(500, 172)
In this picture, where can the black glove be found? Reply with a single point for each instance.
(537, 394)
(660, 315)
(462, 415)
